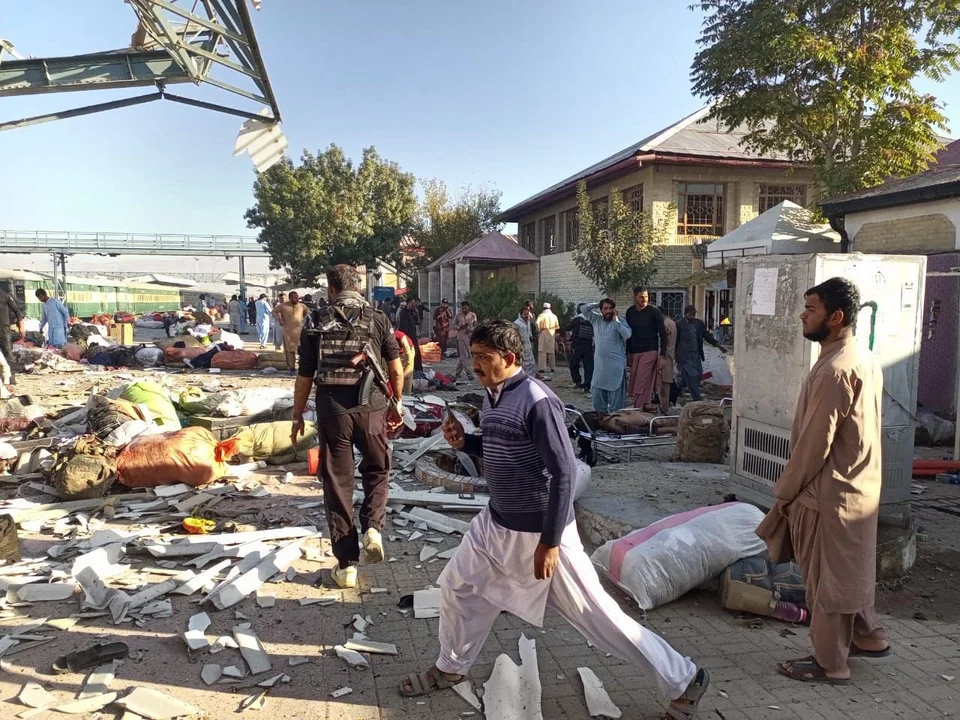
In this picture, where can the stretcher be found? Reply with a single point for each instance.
(591, 442)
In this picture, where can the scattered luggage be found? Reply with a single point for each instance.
(657, 564)
(192, 456)
(271, 442)
(84, 470)
(234, 360)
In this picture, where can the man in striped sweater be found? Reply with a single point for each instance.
(523, 553)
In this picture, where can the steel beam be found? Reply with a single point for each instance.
(80, 243)
(96, 71)
(78, 112)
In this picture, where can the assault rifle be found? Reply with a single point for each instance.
(373, 374)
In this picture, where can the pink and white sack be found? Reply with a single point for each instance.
(657, 564)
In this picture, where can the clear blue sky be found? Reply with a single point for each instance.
(517, 94)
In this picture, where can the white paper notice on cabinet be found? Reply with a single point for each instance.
(765, 291)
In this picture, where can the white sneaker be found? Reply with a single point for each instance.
(372, 546)
(345, 577)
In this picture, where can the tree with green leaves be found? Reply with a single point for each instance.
(617, 248)
(443, 222)
(328, 210)
(830, 82)
(492, 300)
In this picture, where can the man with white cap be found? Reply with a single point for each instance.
(547, 326)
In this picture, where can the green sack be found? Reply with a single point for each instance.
(193, 401)
(156, 400)
(271, 442)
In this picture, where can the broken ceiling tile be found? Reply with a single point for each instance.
(426, 553)
(465, 690)
(252, 650)
(351, 657)
(426, 603)
(154, 705)
(598, 701)
(87, 705)
(211, 673)
(340, 692)
(194, 636)
(33, 695)
(368, 646)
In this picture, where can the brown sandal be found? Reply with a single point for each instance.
(690, 698)
(427, 682)
(808, 670)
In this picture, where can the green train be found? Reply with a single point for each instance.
(87, 297)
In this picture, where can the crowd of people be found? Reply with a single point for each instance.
(523, 554)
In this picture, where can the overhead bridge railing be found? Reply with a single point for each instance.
(107, 243)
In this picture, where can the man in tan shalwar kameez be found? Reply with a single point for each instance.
(829, 492)
(290, 315)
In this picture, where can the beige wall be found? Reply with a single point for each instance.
(920, 228)
(559, 275)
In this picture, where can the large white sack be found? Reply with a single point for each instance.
(659, 563)
(716, 367)
(253, 401)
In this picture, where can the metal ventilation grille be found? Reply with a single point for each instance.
(763, 454)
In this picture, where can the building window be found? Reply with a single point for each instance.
(633, 197)
(571, 228)
(700, 209)
(548, 234)
(670, 301)
(601, 213)
(771, 195)
(528, 237)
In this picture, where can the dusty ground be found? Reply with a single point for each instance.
(921, 613)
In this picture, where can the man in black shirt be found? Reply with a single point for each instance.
(9, 313)
(345, 417)
(581, 337)
(647, 347)
(691, 332)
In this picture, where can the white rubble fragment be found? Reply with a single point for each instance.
(340, 692)
(252, 651)
(270, 682)
(275, 562)
(211, 673)
(222, 643)
(426, 603)
(514, 692)
(598, 700)
(87, 705)
(359, 622)
(426, 553)
(318, 601)
(99, 681)
(295, 660)
(198, 581)
(351, 657)
(233, 671)
(45, 592)
(33, 695)
(194, 636)
(465, 690)
(154, 705)
(369, 646)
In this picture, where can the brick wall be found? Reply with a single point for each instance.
(922, 234)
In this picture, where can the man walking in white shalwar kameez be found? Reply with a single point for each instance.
(523, 553)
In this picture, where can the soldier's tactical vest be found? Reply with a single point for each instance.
(342, 332)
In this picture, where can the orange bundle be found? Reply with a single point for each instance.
(192, 456)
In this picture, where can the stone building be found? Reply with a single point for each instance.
(715, 184)
(490, 258)
(917, 215)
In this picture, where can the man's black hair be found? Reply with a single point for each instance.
(640, 289)
(501, 335)
(464, 304)
(690, 309)
(41, 291)
(838, 294)
(343, 278)
(608, 301)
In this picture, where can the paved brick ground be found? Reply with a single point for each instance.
(909, 684)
